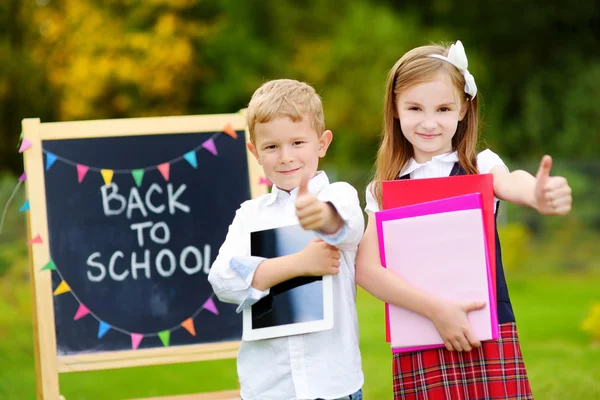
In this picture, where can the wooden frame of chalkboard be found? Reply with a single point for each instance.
(125, 141)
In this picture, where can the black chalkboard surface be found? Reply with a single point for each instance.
(137, 256)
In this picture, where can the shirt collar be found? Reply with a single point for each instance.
(317, 182)
(412, 165)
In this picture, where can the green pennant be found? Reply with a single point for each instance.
(138, 175)
(50, 266)
(20, 140)
(164, 337)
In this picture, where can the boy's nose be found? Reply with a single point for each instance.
(284, 157)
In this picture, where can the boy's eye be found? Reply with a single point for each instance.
(298, 142)
(270, 147)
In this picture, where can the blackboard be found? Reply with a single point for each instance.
(126, 217)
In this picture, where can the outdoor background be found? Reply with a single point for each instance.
(537, 66)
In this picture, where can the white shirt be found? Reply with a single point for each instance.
(439, 166)
(316, 365)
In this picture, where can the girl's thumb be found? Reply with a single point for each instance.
(473, 305)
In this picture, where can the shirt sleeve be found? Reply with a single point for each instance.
(372, 205)
(232, 272)
(344, 199)
(487, 160)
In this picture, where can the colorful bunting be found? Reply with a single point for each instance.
(210, 146)
(82, 311)
(191, 158)
(210, 306)
(50, 159)
(25, 206)
(164, 170)
(102, 329)
(25, 144)
(165, 336)
(62, 288)
(81, 171)
(264, 181)
(136, 339)
(188, 324)
(50, 266)
(107, 174)
(138, 175)
(36, 240)
(23, 177)
(230, 131)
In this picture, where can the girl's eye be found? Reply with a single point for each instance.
(414, 108)
(445, 109)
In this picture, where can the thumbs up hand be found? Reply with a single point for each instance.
(552, 193)
(314, 214)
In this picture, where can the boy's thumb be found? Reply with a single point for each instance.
(473, 305)
(544, 169)
(303, 188)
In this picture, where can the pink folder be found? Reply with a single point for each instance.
(439, 247)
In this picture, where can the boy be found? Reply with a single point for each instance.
(287, 137)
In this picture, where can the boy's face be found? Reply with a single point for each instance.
(289, 151)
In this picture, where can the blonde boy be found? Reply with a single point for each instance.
(287, 137)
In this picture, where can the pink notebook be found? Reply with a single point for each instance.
(439, 247)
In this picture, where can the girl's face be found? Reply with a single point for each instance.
(429, 114)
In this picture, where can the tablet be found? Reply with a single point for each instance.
(297, 306)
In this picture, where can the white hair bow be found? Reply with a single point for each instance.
(458, 58)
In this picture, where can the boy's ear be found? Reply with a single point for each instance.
(252, 149)
(324, 142)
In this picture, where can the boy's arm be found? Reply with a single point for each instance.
(549, 195)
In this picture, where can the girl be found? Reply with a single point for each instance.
(431, 129)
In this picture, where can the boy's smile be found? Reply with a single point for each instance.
(288, 151)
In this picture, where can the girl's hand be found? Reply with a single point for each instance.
(552, 193)
(450, 320)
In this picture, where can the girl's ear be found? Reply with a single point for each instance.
(464, 110)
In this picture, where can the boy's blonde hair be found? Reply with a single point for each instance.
(395, 151)
(285, 98)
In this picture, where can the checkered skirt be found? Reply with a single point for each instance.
(493, 371)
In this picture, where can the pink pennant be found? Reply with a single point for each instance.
(164, 170)
(264, 181)
(210, 306)
(36, 240)
(25, 144)
(23, 177)
(136, 339)
(81, 312)
(210, 146)
(81, 171)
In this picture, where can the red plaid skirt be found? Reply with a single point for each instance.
(493, 371)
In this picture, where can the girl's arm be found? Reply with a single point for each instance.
(550, 195)
(449, 318)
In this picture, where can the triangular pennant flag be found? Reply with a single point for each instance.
(138, 175)
(50, 159)
(23, 177)
(230, 131)
(50, 266)
(164, 170)
(25, 144)
(107, 174)
(136, 339)
(102, 329)
(188, 324)
(210, 306)
(25, 206)
(210, 146)
(36, 240)
(191, 158)
(81, 171)
(62, 288)
(164, 337)
(81, 312)
(264, 181)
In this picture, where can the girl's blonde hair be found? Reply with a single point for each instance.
(395, 151)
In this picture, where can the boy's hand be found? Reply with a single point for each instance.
(320, 258)
(552, 193)
(450, 320)
(315, 215)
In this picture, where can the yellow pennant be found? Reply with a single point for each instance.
(62, 288)
(107, 174)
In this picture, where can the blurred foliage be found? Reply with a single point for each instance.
(591, 325)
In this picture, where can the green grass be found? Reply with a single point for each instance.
(560, 361)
